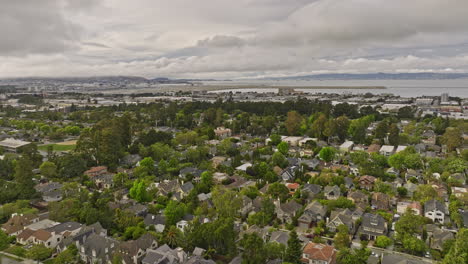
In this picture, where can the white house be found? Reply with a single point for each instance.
(347, 146)
(435, 210)
(386, 150)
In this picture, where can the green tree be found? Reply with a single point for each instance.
(283, 147)
(69, 255)
(393, 135)
(120, 179)
(383, 242)
(327, 154)
(174, 212)
(424, 193)
(173, 236)
(413, 245)
(294, 249)
(4, 240)
(48, 169)
(278, 190)
(254, 249)
(278, 159)
(342, 237)
(139, 191)
(293, 122)
(409, 225)
(381, 130)
(148, 163)
(24, 178)
(39, 252)
(71, 166)
(452, 138)
(318, 126)
(226, 202)
(459, 251)
(275, 139)
(342, 125)
(275, 250)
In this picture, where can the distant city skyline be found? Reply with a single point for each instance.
(231, 39)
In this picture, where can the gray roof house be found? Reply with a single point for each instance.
(332, 192)
(287, 211)
(97, 249)
(165, 255)
(372, 226)
(158, 221)
(313, 213)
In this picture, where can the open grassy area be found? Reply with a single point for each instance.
(57, 147)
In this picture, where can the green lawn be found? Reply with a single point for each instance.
(57, 147)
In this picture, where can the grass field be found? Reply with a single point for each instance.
(57, 147)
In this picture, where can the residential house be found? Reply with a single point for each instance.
(133, 251)
(391, 258)
(311, 190)
(97, 249)
(280, 237)
(347, 146)
(374, 148)
(411, 188)
(348, 183)
(13, 145)
(367, 182)
(380, 201)
(104, 181)
(222, 132)
(51, 191)
(292, 187)
(313, 213)
(459, 191)
(410, 173)
(315, 253)
(435, 210)
(386, 150)
(332, 192)
(96, 171)
(286, 211)
(404, 206)
(168, 187)
(247, 206)
(343, 217)
(358, 197)
(439, 237)
(165, 255)
(157, 221)
(18, 223)
(372, 226)
(288, 173)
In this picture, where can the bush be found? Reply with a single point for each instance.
(383, 242)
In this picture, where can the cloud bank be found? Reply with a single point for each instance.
(231, 39)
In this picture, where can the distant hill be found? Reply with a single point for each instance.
(378, 76)
(103, 79)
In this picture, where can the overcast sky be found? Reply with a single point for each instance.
(231, 38)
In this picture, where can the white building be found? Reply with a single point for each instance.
(13, 145)
(347, 146)
(386, 150)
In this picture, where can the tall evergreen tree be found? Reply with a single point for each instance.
(294, 250)
(24, 178)
(393, 135)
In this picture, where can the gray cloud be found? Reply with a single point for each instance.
(34, 27)
(229, 39)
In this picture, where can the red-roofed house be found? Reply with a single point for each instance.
(314, 253)
(292, 187)
(96, 171)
